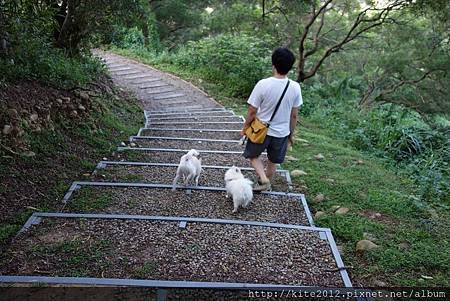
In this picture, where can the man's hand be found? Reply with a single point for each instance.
(290, 141)
(251, 114)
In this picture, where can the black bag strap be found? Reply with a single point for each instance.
(279, 101)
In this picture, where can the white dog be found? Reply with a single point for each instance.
(238, 187)
(189, 168)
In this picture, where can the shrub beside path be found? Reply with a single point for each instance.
(127, 227)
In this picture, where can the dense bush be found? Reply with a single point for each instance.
(33, 56)
(419, 149)
(234, 62)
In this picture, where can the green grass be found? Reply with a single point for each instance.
(132, 178)
(145, 271)
(79, 258)
(87, 165)
(87, 200)
(373, 186)
(7, 231)
(10, 228)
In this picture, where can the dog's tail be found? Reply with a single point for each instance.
(201, 168)
(193, 152)
(248, 181)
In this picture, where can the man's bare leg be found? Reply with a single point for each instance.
(271, 169)
(259, 168)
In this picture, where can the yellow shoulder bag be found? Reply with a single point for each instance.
(257, 131)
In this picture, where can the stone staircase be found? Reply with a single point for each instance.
(127, 227)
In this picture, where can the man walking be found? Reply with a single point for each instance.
(262, 103)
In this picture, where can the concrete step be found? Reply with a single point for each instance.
(189, 143)
(144, 80)
(205, 134)
(140, 76)
(123, 68)
(150, 87)
(161, 91)
(125, 73)
(182, 111)
(201, 118)
(228, 125)
(169, 96)
(201, 114)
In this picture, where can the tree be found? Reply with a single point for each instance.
(77, 20)
(414, 68)
(177, 20)
(359, 23)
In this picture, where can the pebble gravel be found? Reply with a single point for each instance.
(224, 125)
(162, 250)
(200, 203)
(189, 144)
(174, 157)
(211, 177)
(193, 134)
(194, 119)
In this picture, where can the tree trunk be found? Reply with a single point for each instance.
(72, 30)
(145, 31)
(301, 76)
(60, 16)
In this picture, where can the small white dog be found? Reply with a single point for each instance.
(238, 187)
(189, 168)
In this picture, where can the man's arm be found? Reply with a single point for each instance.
(292, 124)
(251, 114)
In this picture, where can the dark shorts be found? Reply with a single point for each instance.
(276, 149)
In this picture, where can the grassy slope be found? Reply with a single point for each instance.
(79, 145)
(413, 240)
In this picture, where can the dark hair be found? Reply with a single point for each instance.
(283, 59)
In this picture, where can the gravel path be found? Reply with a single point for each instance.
(174, 157)
(193, 134)
(198, 125)
(193, 119)
(187, 144)
(212, 177)
(163, 250)
(200, 203)
(194, 114)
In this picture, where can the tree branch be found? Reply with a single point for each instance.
(316, 37)
(352, 34)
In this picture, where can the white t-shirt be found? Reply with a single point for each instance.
(265, 96)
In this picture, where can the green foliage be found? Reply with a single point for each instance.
(419, 148)
(234, 62)
(178, 21)
(146, 271)
(7, 231)
(34, 58)
(236, 17)
(412, 71)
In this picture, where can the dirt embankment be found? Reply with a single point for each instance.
(50, 137)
